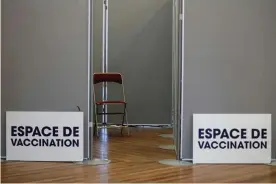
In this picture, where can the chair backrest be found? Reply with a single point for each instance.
(107, 77)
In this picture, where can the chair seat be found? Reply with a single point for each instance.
(110, 102)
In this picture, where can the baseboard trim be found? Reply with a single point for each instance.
(187, 159)
(191, 160)
(4, 158)
(153, 125)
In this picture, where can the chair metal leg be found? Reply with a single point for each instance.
(96, 132)
(126, 119)
(124, 115)
(123, 120)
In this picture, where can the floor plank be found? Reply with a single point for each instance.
(134, 159)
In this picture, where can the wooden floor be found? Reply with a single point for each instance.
(134, 159)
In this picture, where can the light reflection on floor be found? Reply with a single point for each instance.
(102, 147)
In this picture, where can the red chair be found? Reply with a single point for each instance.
(108, 78)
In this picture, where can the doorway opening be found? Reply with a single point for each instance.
(141, 41)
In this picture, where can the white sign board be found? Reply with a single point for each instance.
(232, 138)
(44, 136)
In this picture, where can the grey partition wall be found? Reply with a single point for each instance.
(45, 58)
(229, 60)
(139, 47)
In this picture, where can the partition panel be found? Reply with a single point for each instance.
(229, 60)
(45, 58)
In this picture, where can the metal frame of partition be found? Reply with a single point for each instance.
(182, 7)
(173, 63)
(90, 65)
(174, 73)
(178, 74)
(104, 56)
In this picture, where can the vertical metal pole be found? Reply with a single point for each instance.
(175, 76)
(103, 57)
(106, 36)
(89, 63)
(104, 46)
(179, 74)
(173, 60)
(178, 80)
(106, 52)
(182, 75)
